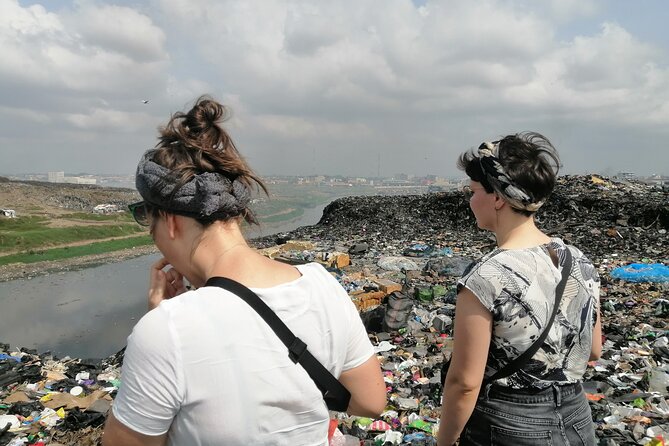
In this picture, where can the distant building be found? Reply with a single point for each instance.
(628, 176)
(658, 180)
(59, 177)
(56, 177)
(79, 180)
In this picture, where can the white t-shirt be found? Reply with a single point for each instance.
(205, 367)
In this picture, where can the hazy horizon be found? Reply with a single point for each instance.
(456, 176)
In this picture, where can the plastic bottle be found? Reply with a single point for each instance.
(659, 379)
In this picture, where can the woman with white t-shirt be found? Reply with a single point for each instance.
(202, 367)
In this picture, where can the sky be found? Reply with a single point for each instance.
(351, 87)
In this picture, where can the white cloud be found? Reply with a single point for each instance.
(94, 50)
(120, 29)
(609, 76)
(106, 120)
(382, 74)
(567, 9)
(9, 113)
(293, 128)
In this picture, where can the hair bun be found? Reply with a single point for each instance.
(204, 116)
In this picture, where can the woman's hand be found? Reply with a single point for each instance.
(164, 284)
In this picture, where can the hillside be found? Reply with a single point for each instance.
(31, 198)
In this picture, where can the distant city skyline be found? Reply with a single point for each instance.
(355, 87)
(397, 175)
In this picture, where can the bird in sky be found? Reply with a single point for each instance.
(145, 101)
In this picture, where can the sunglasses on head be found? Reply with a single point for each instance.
(140, 212)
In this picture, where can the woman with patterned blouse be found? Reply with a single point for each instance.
(505, 301)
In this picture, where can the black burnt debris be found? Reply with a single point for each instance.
(399, 258)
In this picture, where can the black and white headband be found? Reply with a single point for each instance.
(207, 195)
(501, 182)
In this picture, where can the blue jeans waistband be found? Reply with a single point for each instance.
(555, 392)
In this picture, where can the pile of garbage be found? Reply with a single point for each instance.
(399, 259)
(49, 401)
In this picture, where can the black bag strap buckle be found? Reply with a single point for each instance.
(296, 350)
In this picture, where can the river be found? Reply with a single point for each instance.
(89, 313)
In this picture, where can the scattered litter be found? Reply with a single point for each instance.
(399, 259)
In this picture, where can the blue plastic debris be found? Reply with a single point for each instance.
(642, 272)
(418, 250)
(442, 252)
(4, 356)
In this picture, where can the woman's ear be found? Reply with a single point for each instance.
(499, 202)
(173, 225)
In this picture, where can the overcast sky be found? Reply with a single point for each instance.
(350, 87)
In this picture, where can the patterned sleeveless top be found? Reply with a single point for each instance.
(518, 287)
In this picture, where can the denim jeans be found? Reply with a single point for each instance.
(558, 415)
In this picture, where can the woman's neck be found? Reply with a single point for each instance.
(519, 231)
(219, 252)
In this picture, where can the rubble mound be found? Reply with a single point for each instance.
(596, 214)
(38, 198)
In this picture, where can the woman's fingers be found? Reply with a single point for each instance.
(176, 279)
(173, 275)
(158, 284)
(164, 284)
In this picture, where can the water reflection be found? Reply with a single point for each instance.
(86, 313)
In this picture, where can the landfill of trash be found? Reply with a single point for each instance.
(399, 258)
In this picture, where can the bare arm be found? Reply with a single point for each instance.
(473, 330)
(596, 351)
(117, 434)
(368, 391)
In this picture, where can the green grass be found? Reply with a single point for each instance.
(34, 232)
(88, 216)
(22, 223)
(295, 213)
(32, 236)
(76, 251)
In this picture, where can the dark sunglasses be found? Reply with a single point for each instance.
(140, 213)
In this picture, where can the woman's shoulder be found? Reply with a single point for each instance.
(316, 272)
(479, 272)
(494, 260)
(579, 256)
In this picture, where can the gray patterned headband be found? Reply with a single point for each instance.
(207, 195)
(500, 181)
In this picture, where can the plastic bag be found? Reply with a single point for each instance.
(642, 272)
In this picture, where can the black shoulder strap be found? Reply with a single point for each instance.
(515, 365)
(336, 396)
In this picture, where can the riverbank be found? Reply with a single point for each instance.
(56, 229)
(16, 271)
